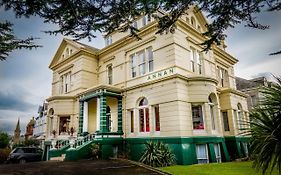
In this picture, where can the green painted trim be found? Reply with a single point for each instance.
(103, 127)
(81, 111)
(119, 106)
(225, 152)
(212, 153)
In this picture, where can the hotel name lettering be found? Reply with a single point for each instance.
(161, 74)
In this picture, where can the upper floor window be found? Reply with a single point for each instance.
(196, 61)
(223, 76)
(225, 121)
(108, 40)
(197, 117)
(145, 20)
(109, 74)
(240, 116)
(212, 112)
(144, 60)
(192, 21)
(65, 81)
(135, 24)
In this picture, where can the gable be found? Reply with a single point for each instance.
(195, 19)
(68, 48)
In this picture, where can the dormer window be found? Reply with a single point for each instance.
(108, 40)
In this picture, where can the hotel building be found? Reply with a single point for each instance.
(160, 88)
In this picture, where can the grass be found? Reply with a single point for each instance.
(229, 168)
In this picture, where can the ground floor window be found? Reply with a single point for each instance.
(144, 120)
(132, 121)
(197, 117)
(64, 124)
(202, 153)
(217, 152)
(157, 118)
(245, 148)
(225, 121)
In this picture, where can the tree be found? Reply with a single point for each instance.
(265, 130)
(81, 19)
(9, 42)
(4, 140)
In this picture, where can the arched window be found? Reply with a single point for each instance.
(192, 21)
(144, 116)
(108, 118)
(240, 116)
(212, 112)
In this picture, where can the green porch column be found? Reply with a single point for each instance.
(120, 128)
(81, 111)
(212, 152)
(225, 152)
(103, 127)
(238, 147)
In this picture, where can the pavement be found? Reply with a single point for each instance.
(83, 167)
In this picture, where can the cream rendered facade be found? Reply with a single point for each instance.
(178, 95)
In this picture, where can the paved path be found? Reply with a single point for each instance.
(85, 167)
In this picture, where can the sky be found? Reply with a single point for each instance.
(25, 78)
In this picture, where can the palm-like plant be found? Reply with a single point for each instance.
(265, 121)
(157, 154)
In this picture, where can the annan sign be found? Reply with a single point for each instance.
(161, 74)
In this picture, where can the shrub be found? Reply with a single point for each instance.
(4, 153)
(157, 154)
(4, 140)
(96, 151)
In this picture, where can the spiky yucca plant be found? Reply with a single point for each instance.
(265, 121)
(157, 154)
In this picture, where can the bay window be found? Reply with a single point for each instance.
(157, 118)
(65, 81)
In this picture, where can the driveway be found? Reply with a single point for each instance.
(93, 167)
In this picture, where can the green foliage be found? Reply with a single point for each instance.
(31, 142)
(157, 154)
(9, 42)
(4, 140)
(266, 129)
(81, 19)
(96, 151)
(229, 168)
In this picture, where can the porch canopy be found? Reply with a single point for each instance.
(100, 93)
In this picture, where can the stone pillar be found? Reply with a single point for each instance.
(98, 115)
(120, 123)
(103, 127)
(81, 111)
(85, 117)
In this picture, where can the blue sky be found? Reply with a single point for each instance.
(25, 78)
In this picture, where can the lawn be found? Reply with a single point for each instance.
(229, 168)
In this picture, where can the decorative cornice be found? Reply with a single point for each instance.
(60, 97)
(233, 91)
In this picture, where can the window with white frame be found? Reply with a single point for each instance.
(225, 120)
(145, 20)
(65, 81)
(223, 76)
(135, 24)
(157, 118)
(109, 74)
(196, 59)
(192, 58)
(108, 40)
(144, 116)
(202, 153)
(240, 116)
(132, 119)
(143, 60)
(217, 152)
(212, 112)
(197, 117)
(133, 65)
